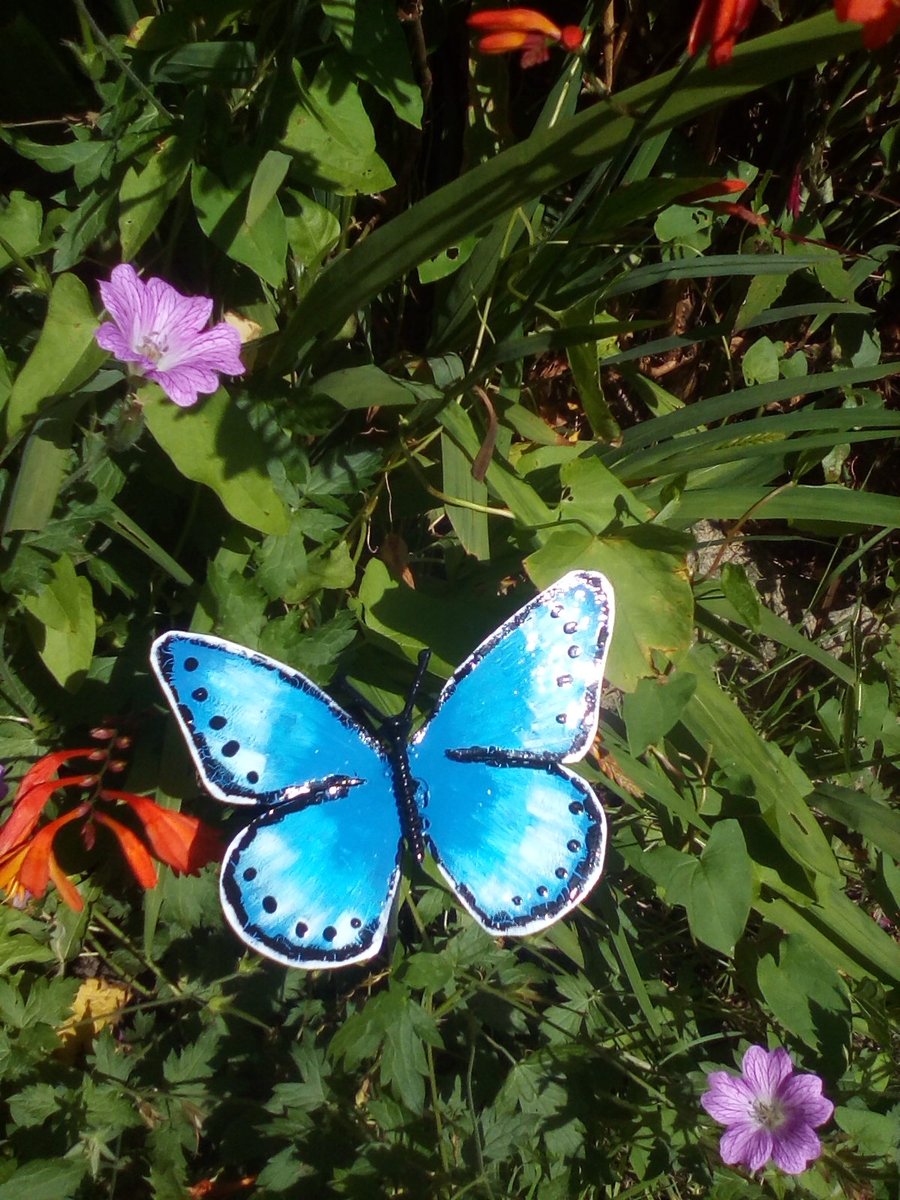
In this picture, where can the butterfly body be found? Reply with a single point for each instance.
(482, 786)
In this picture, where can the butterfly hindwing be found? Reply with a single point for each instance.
(256, 728)
(533, 686)
(311, 883)
(519, 838)
(521, 846)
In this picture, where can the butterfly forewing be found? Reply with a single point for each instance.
(256, 728)
(533, 686)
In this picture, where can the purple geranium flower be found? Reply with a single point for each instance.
(163, 334)
(770, 1112)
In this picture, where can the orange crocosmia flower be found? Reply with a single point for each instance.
(525, 29)
(880, 19)
(722, 187)
(38, 865)
(178, 839)
(721, 23)
(35, 790)
(136, 853)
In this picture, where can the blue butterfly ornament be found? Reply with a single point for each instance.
(481, 786)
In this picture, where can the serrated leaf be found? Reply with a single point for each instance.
(62, 624)
(45, 1179)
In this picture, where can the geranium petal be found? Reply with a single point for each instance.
(795, 1147)
(123, 298)
(218, 349)
(110, 337)
(747, 1144)
(765, 1070)
(729, 1099)
(183, 384)
(175, 317)
(802, 1098)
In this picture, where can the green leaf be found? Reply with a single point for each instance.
(65, 356)
(267, 179)
(45, 1179)
(214, 444)
(741, 594)
(806, 994)
(363, 387)
(20, 227)
(874, 1133)
(761, 362)
(62, 624)
(34, 1104)
(223, 211)
(330, 136)
(145, 195)
(48, 451)
(370, 32)
(655, 706)
(716, 889)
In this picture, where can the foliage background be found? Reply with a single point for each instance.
(698, 406)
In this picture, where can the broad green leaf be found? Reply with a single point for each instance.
(363, 387)
(876, 820)
(716, 889)
(214, 444)
(267, 179)
(875, 1134)
(654, 603)
(370, 32)
(761, 362)
(654, 707)
(62, 624)
(806, 994)
(223, 213)
(65, 356)
(20, 227)
(145, 195)
(330, 136)
(48, 451)
(45, 1179)
(313, 231)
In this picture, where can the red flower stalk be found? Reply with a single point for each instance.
(880, 19)
(721, 23)
(27, 859)
(525, 29)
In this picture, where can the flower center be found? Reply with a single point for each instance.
(153, 346)
(769, 1114)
